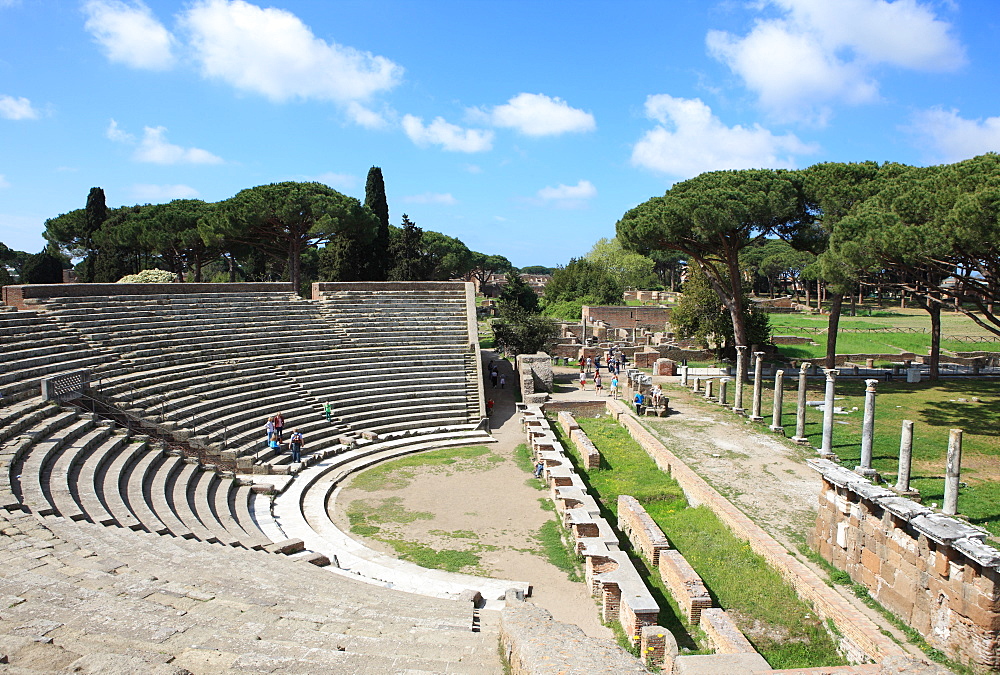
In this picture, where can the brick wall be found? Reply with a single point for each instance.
(644, 534)
(628, 317)
(591, 456)
(684, 584)
(720, 629)
(934, 572)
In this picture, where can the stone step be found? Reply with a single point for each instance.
(114, 479)
(58, 479)
(90, 479)
(37, 459)
(161, 485)
(138, 487)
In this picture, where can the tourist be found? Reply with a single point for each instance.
(639, 400)
(328, 411)
(598, 383)
(503, 381)
(589, 364)
(614, 385)
(493, 377)
(655, 396)
(489, 407)
(295, 445)
(597, 363)
(279, 425)
(583, 381)
(539, 468)
(269, 428)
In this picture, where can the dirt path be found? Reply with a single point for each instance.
(488, 507)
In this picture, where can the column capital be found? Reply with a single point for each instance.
(831, 374)
(871, 385)
(741, 348)
(804, 368)
(759, 355)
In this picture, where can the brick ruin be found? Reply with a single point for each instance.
(935, 572)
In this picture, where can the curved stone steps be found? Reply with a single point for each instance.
(201, 499)
(238, 500)
(136, 488)
(29, 472)
(223, 510)
(177, 487)
(20, 416)
(57, 478)
(161, 482)
(90, 480)
(115, 476)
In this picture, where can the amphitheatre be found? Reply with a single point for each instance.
(148, 529)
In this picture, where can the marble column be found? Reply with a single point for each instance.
(684, 376)
(722, 391)
(697, 385)
(826, 449)
(905, 457)
(741, 373)
(800, 407)
(758, 383)
(952, 473)
(779, 393)
(868, 430)
(708, 389)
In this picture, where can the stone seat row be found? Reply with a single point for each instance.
(188, 604)
(610, 574)
(72, 467)
(185, 301)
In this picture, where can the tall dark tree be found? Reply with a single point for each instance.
(42, 268)
(517, 293)
(378, 258)
(407, 256)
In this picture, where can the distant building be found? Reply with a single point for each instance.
(495, 283)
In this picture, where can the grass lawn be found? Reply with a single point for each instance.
(877, 343)
(935, 408)
(783, 629)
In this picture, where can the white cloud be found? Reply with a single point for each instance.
(431, 198)
(540, 115)
(145, 193)
(584, 189)
(448, 136)
(689, 140)
(271, 52)
(472, 168)
(821, 53)
(952, 138)
(4, 183)
(130, 34)
(154, 148)
(365, 116)
(17, 108)
(338, 181)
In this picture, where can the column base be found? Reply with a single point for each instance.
(867, 473)
(801, 440)
(828, 455)
(756, 418)
(777, 429)
(740, 411)
(909, 494)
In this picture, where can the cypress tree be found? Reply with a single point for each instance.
(378, 253)
(94, 216)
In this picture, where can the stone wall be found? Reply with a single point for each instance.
(644, 534)
(628, 317)
(534, 373)
(934, 572)
(24, 297)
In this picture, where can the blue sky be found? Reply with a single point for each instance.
(525, 128)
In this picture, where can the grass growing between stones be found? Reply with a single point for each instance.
(782, 627)
(558, 551)
(397, 474)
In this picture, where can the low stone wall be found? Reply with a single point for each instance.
(533, 643)
(591, 455)
(585, 408)
(791, 340)
(861, 639)
(27, 296)
(934, 572)
(685, 585)
(720, 629)
(644, 534)
(628, 317)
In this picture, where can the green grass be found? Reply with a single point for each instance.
(558, 551)
(397, 474)
(524, 461)
(785, 630)
(935, 408)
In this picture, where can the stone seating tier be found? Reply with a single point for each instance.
(243, 610)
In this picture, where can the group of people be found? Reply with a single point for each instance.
(615, 362)
(275, 427)
(653, 399)
(496, 376)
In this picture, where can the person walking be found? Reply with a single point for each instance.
(583, 381)
(295, 444)
(598, 384)
(328, 411)
(279, 426)
(614, 386)
(269, 430)
(493, 377)
(639, 400)
(503, 381)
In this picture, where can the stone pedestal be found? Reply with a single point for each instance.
(779, 384)
(758, 382)
(913, 375)
(696, 386)
(708, 389)
(684, 376)
(826, 449)
(800, 406)
(722, 390)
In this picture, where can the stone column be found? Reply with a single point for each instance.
(708, 389)
(867, 430)
(697, 385)
(826, 449)
(800, 408)
(684, 376)
(952, 473)
(905, 457)
(779, 392)
(722, 391)
(758, 382)
(741, 354)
